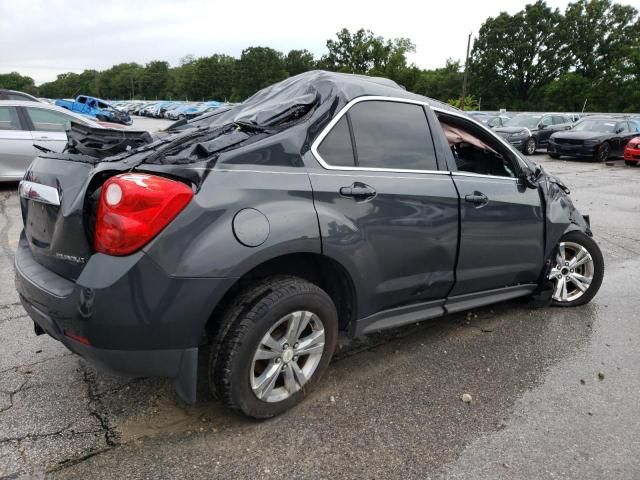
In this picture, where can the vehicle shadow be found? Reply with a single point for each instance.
(408, 375)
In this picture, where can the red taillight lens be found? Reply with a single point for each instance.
(134, 208)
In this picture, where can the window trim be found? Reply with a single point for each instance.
(369, 98)
(316, 143)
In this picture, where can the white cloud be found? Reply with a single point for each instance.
(43, 38)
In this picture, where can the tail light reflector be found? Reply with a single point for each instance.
(134, 208)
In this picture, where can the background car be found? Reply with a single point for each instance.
(24, 124)
(632, 152)
(15, 95)
(595, 137)
(530, 131)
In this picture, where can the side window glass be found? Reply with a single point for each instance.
(336, 148)
(82, 99)
(546, 121)
(476, 151)
(632, 127)
(9, 119)
(48, 120)
(392, 135)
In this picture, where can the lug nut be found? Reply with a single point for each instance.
(295, 358)
(295, 345)
(566, 264)
(278, 360)
(285, 346)
(571, 271)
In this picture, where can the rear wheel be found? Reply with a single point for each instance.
(530, 146)
(578, 270)
(602, 153)
(281, 337)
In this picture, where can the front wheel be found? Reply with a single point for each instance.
(530, 146)
(578, 270)
(602, 153)
(281, 337)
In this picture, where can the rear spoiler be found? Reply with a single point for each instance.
(103, 142)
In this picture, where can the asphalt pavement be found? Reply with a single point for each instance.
(555, 392)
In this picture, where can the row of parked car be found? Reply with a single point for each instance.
(170, 110)
(29, 124)
(595, 137)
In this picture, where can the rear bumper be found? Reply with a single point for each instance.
(123, 314)
(571, 150)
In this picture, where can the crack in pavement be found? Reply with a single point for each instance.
(11, 395)
(11, 369)
(34, 436)
(95, 405)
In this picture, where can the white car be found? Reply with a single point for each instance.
(24, 124)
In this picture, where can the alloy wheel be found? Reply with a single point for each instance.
(573, 272)
(531, 146)
(287, 356)
(603, 152)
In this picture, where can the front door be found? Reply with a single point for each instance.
(501, 220)
(385, 210)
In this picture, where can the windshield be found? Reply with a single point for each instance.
(527, 121)
(607, 126)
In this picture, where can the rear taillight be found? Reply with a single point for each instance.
(134, 208)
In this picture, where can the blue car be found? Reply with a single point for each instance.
(95, 107)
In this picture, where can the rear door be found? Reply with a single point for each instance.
(16, 144)
(48, 127)
(385, 209)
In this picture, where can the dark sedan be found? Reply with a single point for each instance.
(596, 138)
(530, 131)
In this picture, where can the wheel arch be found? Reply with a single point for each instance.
(321, 270)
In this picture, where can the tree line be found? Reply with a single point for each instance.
(536, 59)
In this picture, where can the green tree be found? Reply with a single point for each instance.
(516, 56)
(257, 68)
(365, 53)
(153, 80)
(299, 61)
(15, 81)
(470, 103)
(441, 83)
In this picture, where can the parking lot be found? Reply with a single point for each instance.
(555, 391)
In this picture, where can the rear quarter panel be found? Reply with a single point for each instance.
(201, 241)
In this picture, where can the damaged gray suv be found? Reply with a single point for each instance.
(325, 204)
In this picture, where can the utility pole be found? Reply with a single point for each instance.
(466, 74)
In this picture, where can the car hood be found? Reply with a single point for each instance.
(570, 134)
(509, 130)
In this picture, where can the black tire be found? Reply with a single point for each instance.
(592, 247)
(555, 156)
(243, 325)
(602, 153)
(530, 146)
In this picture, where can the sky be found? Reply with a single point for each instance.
(42, 38)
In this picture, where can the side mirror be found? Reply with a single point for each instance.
(542, 126)
(531, 178)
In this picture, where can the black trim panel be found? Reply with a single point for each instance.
(397, 317)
